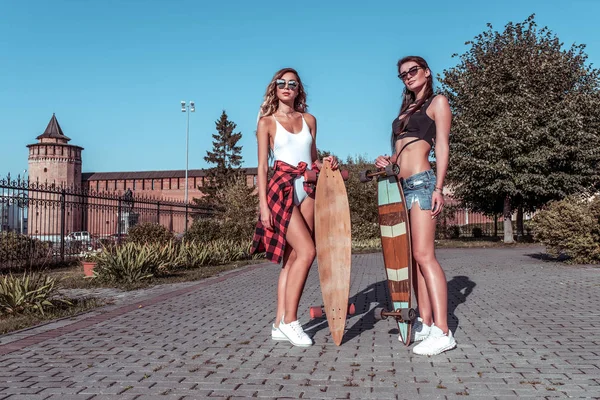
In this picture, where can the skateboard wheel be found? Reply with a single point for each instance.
(378, 313)
(364, 176)
(351, 309)
(392, 169)
(408, 314)
(316, 312)
(310, 176)
(345, 174)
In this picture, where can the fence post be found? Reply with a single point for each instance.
(186, 217)
(119, 216)
(495, 224)
(63, 216)
(158, 212)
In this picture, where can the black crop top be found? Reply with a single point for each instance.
(419, 126)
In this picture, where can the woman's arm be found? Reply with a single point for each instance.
(443, 119)
(263, 139)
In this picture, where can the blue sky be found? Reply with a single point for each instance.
(115, 71)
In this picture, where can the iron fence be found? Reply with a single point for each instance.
(457, 222)
(48, 223)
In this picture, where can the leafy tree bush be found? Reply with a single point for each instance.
(149, 232)
(14, 246)
(526, 122)
(570, 227)
(362, 198)
(236, 218)
(18, 252)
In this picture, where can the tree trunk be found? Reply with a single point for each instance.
(519, 223)
(508, 230)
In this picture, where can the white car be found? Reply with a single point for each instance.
(83, 236)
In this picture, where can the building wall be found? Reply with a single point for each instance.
(54, 163)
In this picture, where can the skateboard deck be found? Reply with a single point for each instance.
(397, 255)
(334, 247)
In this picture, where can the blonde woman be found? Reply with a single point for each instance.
(285, 227)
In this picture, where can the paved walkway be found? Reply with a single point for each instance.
(524, 327)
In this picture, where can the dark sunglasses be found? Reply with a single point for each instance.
(291, 84)
(410, 73)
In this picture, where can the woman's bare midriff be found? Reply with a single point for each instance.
(414, 158)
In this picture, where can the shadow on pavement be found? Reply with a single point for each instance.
(375, 295)
(459, 288)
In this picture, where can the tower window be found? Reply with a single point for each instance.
(45, 169)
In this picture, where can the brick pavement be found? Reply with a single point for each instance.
(524, 327)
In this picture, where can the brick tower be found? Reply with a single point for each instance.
(56, 163)
(53, 160)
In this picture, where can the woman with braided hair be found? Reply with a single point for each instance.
(285, 227)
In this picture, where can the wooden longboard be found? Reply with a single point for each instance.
(395, 241)
(334, 247)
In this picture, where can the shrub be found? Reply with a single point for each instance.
(133, 262)
(362, 198)
(444, 226)
(128, 263)
(17, 247)
(477, 232)
(363, 230)
(453, 232)
(149, 232)
(570, 227)
(199, 254)
(236, 219)
(31, 292)
(203, 230)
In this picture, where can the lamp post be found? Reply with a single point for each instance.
(187, 108)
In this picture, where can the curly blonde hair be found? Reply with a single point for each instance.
(271, 102)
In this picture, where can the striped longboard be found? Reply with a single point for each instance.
(395, 241)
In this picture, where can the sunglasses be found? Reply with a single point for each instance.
(291, 84)
(410, 73)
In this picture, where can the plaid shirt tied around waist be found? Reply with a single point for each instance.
(280, 200)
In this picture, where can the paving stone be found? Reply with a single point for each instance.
(523, 328)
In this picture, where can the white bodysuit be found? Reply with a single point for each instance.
(292, 148)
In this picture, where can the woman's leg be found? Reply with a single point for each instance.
(425, 311)
(289, 257)
(422, 228)
(299, 237)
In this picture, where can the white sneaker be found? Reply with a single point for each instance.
(435, 343)
(294, 333)
(276, 333)
(419, 331)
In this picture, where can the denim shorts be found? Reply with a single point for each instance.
(419, 188)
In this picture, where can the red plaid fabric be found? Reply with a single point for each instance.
(280, 199)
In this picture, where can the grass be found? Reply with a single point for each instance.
(11, 323)
(73, 278)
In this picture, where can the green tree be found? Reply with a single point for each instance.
(225, 155)
(526, 127)
(362, 198)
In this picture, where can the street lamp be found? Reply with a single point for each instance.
(189, 108)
